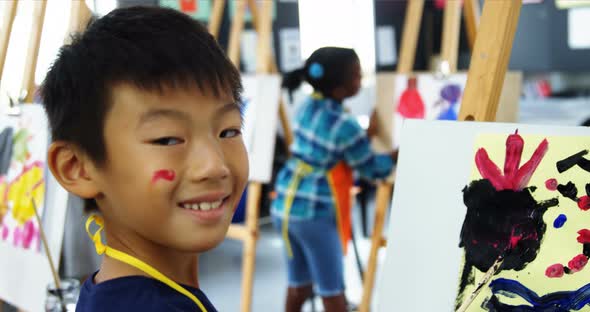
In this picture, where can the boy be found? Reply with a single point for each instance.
(145, 122)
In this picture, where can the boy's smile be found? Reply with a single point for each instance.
(175, 170)
(208, 208)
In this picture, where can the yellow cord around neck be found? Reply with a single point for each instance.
(132, 261)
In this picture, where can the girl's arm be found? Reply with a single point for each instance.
(356, 150)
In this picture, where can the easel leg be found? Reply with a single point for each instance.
(6, 30)
(216, 17)
(28, 83)
(249, 260)
(233, 49)
(471, 14)
(285, 122)
(381, 204)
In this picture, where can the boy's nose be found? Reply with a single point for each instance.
(208, 163)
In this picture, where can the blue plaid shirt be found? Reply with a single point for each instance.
(324, 134)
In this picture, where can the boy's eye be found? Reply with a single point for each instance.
(167, 141)
(230, 133)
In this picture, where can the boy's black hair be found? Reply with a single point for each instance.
(149, 47)
(325, 69)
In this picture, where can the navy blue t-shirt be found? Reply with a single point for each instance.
(136, 293)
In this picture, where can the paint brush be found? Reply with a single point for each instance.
(48, 253)
(484, 281)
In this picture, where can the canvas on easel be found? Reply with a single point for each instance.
(260, 101)
(24, 142)
(386, 107)
(431, 140)
(438, 97)
(23, 265)
(432, 204)
(24, 139)
(527, 204)
(263, 109)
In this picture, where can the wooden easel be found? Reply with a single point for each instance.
(489, 63)
(449, 54)
(11, 6)
(262, 21)
(9, 15)
(79, 16)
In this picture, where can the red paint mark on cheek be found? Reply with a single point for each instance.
(551, 184)
(163, 174)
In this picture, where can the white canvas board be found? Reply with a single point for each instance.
(578, 21)
(386, 49)
(290, 49)
(261, 115)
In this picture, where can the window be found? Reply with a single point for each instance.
(341, 23)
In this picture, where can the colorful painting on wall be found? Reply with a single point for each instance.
(425, 96)
(23, 146)
(24, 269)
(197, 9)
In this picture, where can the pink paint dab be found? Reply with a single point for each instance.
(577, 263)
(17, 236)
(554, 271)
(4, 233)
(551, 184)
(29, 232)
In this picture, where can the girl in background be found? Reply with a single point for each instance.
(312, 208)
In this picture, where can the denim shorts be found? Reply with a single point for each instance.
(317, 255)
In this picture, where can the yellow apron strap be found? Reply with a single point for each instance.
(123, 257)
(302, 170)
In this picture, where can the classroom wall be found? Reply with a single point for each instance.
(392, 14)
(541, 41)
(287, 17)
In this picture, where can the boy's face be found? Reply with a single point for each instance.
(176, 166)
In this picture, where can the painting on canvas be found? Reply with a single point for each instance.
(472, 198)
(527, 218)
(23, 146)
(425, 96)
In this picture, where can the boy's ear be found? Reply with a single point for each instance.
(70, 166)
